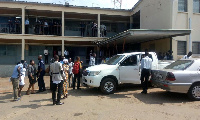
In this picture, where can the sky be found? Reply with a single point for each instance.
(126, 4)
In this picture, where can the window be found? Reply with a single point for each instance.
(182, 5)
(130, 61)
(8, 50)
(196, 47)
(196, 6)
(114, 60)
(179, 65)
(181, 48)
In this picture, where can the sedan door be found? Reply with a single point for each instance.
(129, 71)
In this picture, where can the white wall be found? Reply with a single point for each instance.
(155, 14)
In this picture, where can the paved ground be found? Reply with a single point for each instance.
(90, 104)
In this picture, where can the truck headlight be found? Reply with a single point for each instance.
(94, 73)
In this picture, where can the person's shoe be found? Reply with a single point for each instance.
(33, 92)
(59, 103)
(144, 92)
(27, 92)
(39, 91)
(54, 102)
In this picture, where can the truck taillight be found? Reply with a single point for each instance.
(170, 76)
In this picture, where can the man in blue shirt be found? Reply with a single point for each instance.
(15, 80)
(40, 74)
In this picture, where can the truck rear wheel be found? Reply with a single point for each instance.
(108, 86)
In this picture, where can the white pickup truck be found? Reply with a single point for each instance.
(121, 68)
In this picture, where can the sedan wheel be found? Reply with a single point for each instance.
(194, 92)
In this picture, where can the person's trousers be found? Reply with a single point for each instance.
(54, 88)
(46, 59)
(41, 83)
(15, 82)
(145, 78)
(51, 83)
(70, 79)
(76, 77)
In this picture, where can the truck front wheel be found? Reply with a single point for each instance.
(108, 86)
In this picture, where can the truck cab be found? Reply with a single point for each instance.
(120, 69)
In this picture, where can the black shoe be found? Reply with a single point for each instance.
(54, 102)
(59, 103)
(39, 91)
(144, 92)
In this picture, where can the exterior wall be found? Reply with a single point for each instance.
(162, 45)
(181, 21)
(154, 14)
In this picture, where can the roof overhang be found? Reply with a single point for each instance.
(143, 35)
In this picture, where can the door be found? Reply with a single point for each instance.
(129, 70)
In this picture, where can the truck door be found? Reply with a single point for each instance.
(129, 70)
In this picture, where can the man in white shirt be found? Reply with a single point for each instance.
(46, 53)
(188, 56)
(146, 65)
(92, 59)
(27, 26)
(58, 76)
(66, 53)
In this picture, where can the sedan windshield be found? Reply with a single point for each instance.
(179, 65)
(114, 60)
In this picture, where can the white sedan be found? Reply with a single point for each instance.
(182, 76)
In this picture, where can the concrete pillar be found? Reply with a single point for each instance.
(23, 48)
(99, 23)
(190, 14)
(23, 20)
(63, 23)
(63, 47)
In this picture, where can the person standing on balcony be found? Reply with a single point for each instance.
(17, 26)
(46, 27)
(27, 26)
(46, 54)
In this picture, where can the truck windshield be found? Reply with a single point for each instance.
(179, 65)
(114, 60)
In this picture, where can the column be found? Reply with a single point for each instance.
(63, 23)
(63, 47)
(23, 48)
(23, 20)
(190, 14)
(99, 25)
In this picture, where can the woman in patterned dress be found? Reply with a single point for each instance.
(65, 84)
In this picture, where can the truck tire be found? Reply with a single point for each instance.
(194, 92)
(108, 86)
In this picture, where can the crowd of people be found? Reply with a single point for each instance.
(166, 55)
(91, 29)
(63, 74)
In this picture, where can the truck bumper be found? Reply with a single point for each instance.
(91, 81)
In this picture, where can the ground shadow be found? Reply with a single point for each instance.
(97, 92)
(162, 97)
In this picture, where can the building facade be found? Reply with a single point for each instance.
(27, 28)
(169, 14)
